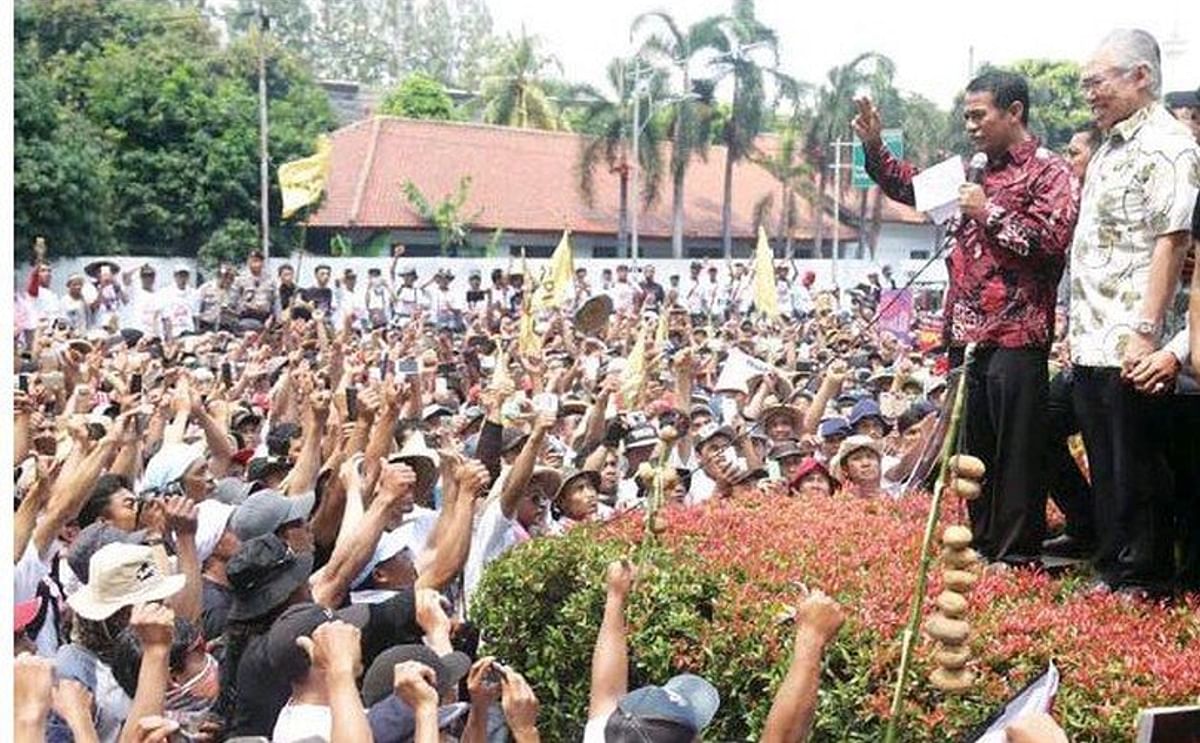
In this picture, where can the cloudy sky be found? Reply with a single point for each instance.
(930, 42)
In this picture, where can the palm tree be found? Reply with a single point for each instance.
(742, 33)
(786, 165)
(832, 111)
(513, 95)
(609, 116)
(690, 117)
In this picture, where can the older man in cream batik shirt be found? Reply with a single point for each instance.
(1126, 302)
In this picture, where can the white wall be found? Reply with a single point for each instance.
(849, 272)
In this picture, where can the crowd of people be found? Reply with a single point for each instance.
(250, 508)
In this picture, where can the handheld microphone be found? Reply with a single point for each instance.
(977, 167)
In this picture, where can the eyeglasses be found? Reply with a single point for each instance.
(1092, 82)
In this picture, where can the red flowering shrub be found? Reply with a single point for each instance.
(726, 570)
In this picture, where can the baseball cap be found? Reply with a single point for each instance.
(232, 491)
(393, 721)
(267, 510)
(122, 575)
(288, 659)
(676, 711)
(24, 612)
(639, 437)
(914, 415)
(263, 573)
(867, 408)
(261, 468)
(390, 544)
(90, 540)
(449, 670)
(832, 428)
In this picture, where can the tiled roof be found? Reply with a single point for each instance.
(522, 180)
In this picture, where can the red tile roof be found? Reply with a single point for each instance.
(522, 180)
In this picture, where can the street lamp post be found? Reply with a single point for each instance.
(264, 182)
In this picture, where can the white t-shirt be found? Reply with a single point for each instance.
(494, 535)
(180, 307)
(144, 312)
(593, 732)
(29, 571)
(623, 296)
(303, 723)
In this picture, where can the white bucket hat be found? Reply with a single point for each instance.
(122, 575)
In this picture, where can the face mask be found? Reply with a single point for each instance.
(197, 694)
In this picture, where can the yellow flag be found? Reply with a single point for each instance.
(556, 285)
(766, 299)
(302, 181)
(527, 338)
(661, 334)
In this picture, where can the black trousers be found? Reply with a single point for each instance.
(1005, 427)
(1127, 435)
(1068, 488)
(1184, 458)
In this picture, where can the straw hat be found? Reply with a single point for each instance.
(592, 316)
(850, 445)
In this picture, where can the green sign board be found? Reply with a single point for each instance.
(893, 139)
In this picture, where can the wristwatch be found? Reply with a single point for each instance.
(1146, 327)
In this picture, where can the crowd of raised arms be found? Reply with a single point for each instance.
(246, 507)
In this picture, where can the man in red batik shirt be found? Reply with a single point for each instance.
(1006, 254)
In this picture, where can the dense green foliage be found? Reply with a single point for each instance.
(137, 132)
(419, 96)
(715, 605)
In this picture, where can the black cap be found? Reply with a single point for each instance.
(449, 670)
(289, 660)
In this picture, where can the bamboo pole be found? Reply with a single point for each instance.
(909, 637)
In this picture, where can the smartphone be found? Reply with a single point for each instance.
(440, 386)
(495, 674)
(352, 403)
(227, 374)
(445, 369)
(23, 383)
(407, 367)
(546, 402)
(135, 383)
(384, 366)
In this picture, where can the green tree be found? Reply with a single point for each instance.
(833, 108)
(162, 123)
(419, 96)
(786, 164)
(61, 168)
(610, 116)
(742, 34)
(446, 216)
(690, 114)
(351, 42)
(514, 93)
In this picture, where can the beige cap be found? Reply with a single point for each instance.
(122, 575)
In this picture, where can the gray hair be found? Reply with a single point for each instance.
(1133, 47)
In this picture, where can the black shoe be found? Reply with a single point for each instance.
(1067, 546)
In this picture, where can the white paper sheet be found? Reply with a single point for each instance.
(936, 188)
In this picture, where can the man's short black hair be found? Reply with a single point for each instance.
(255, 254)
(286, 267)
(322, 267)
(1006, 88)
(102, 492)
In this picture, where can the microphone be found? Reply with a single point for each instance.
(977, 167)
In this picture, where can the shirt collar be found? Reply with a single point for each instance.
(1128, 127)
(1019, 153)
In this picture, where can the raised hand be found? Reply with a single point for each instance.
(335, 648)
(154, 625)
(416, 684)
(182, 515)
(621, 578)
(867, 123)
(820, 615)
